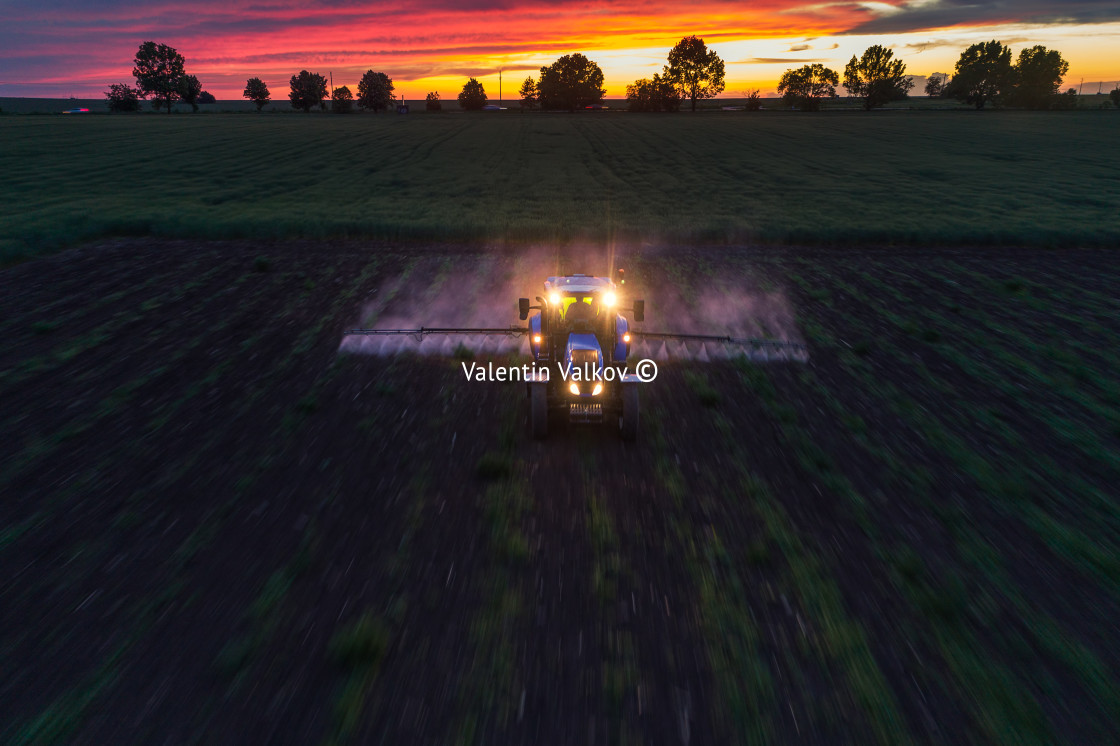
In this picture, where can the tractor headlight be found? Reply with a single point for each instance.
(609, 299)
(536, 339)
(626, 338)
(597, 390)
(574, 388)
(554, 298)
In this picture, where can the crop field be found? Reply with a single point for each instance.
(841, 178)
(219, 526)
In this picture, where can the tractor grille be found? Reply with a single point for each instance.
(585, 412)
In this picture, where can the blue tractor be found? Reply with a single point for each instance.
(580, 344)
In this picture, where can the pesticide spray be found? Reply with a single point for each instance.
(481, 291)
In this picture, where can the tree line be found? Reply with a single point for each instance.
(984, 74)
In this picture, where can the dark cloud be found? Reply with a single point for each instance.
(947, 13)
(800, 47)
(922, 46)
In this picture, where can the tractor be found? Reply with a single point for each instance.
(580, 344)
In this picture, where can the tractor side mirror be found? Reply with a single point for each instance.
(523, 307)
(620, 276)
(639, 310)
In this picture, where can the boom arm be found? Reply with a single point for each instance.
(511, 331)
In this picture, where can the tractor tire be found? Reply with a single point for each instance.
(628, 422)
(538, 410)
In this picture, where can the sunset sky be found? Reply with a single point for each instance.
(58, 48)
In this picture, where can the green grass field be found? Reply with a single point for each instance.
(919, 178)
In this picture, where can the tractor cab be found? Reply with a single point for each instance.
(579, 335)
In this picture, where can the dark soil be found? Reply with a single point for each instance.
(200, 494)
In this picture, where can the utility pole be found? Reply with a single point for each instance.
(1079, 87)
(499, 87)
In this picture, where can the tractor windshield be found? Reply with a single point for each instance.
(579, 308)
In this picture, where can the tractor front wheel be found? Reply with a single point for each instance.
(538, 410)
(628, 422)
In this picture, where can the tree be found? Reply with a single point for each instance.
(529, 95)
(571, 82)
(432, 103)
(206, 97)
(806, 86)
(158, 72)
(1114, 94)
(877, 76)
(257, 92)
(342, 100)
(473, 95)
(189, 90)
(694, 70)
(123, 97)
(307, 90)
(375, 91)
(1038, 73)
(754, 100)
(658, 94)
(936, 84)
(983, 73)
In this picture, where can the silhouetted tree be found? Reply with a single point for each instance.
(189, 90)
(935, 85)
(342, 100)
(159, 72)
(432, 102)
(206, 97)
(123, 97)
(1114, 94)
(473, 95)
(571, 82)
(806, 86)
(529, 96)
(983, 73)
(658, 94)
(754, 100)
(877, 77)
(694, 70)
(375, 91)
(307, 90)
(1038, 74)
(257, 92)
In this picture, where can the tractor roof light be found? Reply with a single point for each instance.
(574, 388)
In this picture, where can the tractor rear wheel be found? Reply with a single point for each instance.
(628, 422)
(538, 410)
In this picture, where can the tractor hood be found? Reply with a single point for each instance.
(583, 349)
